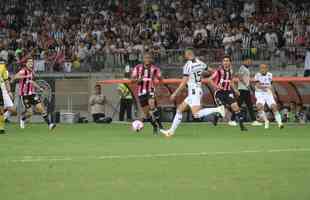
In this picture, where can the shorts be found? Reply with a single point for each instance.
(264, 98)
(225, 98)
(194, 97)
(30, 100)
(7, 101)
(144, 99)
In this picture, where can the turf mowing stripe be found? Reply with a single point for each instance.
(26, 159)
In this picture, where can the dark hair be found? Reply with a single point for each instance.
(98, 86)
(227, 56)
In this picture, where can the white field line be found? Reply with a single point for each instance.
(26, 159)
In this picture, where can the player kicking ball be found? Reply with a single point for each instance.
(192, 77)
(145, 75)
(29, 98)
(264, 95)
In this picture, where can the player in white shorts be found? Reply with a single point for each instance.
(192, 77)
(264, 95)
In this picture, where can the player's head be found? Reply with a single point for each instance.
(29, 63)
(226, 62)
(189, 54)
(147, 59)
(263, 69)
(97, 89)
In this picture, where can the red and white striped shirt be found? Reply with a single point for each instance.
(223, 79)
(26, 86)
(148, 75)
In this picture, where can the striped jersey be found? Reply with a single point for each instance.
(26, 86)
(223, 79)
(193, 69)
(148, 76)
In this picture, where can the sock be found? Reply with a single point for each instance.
(263, 115)
(239, 119)
(277, 116)
(233, 117)
(176, 121)
(152, 121)
(7, 115)
(206, 112)
(156, 117)
(46, 119)
(2, 122)
(23, 116)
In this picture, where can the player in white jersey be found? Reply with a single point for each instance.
(264, 95)
(192, 77)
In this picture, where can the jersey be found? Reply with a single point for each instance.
(263, 80)
(223, 79)
(26, 87)
(193, 70)
(4, 76)
(148, 76)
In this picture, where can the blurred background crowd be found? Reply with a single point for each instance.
(88, 35)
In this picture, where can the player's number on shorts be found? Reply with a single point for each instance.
(198, 76)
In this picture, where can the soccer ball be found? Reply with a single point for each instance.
(137, 125)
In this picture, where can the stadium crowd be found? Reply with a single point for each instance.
(67, 34)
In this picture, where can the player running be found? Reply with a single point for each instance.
(192, 77)
(264, 95)
(5, 90)
(145, 76)
(222, 81)
(29, 98)
(6, 93)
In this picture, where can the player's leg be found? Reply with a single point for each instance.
(26, 113)
(2, 122)
(272, 104)
(144, 103)
(260, 106)
(40, 108)
(177, 119)
(239, 117)
(249, 105)
(199, 113)
(8, 105)
(154, 112)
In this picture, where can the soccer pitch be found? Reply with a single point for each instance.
(90, 161)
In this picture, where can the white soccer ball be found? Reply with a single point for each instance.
(137, 125)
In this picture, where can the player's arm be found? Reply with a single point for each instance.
(234, 87)
(134, 76)
(211, 80)
(36, 85)
(180, 88)
(20, 75)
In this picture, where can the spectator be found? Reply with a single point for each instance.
(97, 106)
(307, 63)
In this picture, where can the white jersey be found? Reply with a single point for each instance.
(263, 80)
(193, 69)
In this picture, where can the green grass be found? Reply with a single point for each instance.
(73, 163)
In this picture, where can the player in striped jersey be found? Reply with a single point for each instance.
(193, 72)
(222, 81)
(145, 76)
(28, 95)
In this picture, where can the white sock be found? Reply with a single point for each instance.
(206, 112)
(7, 115)
(263, 115)
(176, 121)
(277, 116)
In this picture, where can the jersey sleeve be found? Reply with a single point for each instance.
(187, 69)
(158, 73)
(134, 73)
(214, 76)
(256, 77)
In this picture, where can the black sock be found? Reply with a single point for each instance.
(46, 119)
(156, 114)
(239, 118)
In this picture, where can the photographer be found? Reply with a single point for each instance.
(97, 106)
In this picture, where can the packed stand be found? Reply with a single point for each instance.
(74, 35)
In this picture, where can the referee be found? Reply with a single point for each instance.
(244, 90)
